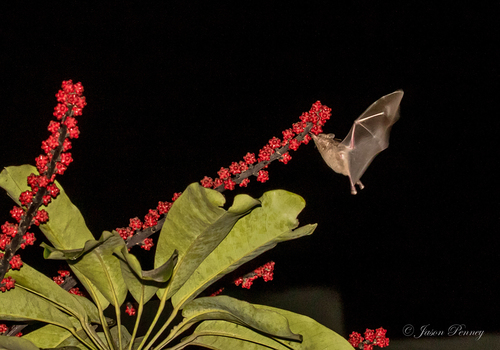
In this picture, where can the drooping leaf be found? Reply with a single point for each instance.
(34, 281)
(241, 312)
(194, 226)
(51, 336)
(255, 233)
(16, 343)
(316, 336)
(66, 228)
(223, 335)
(144, 284)
(102, 268)
(21, 305)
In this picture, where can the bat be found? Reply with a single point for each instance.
(368, 137)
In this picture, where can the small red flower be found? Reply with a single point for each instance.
(53, 190)
(16, 262)
(73, 132)
(223, 173)
(76, 291)
(7, 284)
(234, 168)
(41, 217)
(135, 223)
(147, 244)
(176, 195)
(9, 229)
(26, 197)
(244, 183)
(58, 279)
(285, 158)
(3, 328)
(130, 309)
(207, 182)
(249, 158)
(229, 184)
(164, 207)
(28, 239)
(17, 213)
(262, 176)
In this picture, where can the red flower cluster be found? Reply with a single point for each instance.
(238, 173)
(372, 338)
(266, 272)
(54, 161)
(130, 310)
(150, 220)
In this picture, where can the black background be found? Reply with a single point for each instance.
(175, 91)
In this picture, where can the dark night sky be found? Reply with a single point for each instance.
(176, 91)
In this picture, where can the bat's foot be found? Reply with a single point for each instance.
(353, 187)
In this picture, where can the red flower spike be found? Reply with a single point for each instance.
(245, 182)
(207, 182)
(229, 184)
(294, 144)
(76, 291)
(58, 279)
(70, 122)
(243, 166)
(217, 182)
(61, 96)
(135, 223)
(217, 292)
(26, 197)
(17, 213)
(163, 207)
(53, 126)
(130, 309)
(63, 273)
(74, 132)
(223, 173)
(28, 239)
(234, 168)
(9, 229)
(16, 262)
(66, 145)
(147, 244)
(249, 158)
(262, 176)
(8, 283)
(285, 158)
(3, 328)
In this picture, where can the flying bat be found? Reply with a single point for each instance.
(368, 136)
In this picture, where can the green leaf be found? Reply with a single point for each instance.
(194, 226)
(16, 343)
(144, 283)
(316, 336)
(30, 279)
(102, 268)
(223, 335)
(252, 235)
(240, 312)
(20, 305)
(51, 336)
(66, 228)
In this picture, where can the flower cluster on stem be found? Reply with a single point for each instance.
(54, 161)
(237, 173)
(265, 271)
(372, 338)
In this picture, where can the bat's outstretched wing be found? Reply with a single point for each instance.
(370, 134)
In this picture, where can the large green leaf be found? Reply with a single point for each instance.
(66, 228)
(236, 311)
(252, 235)
(223, 335)
(30, 279)
(15, 343)
(21, 305)
(102, 268)
(51, 336)
(144, 284)
(194, 226)
(316, 336)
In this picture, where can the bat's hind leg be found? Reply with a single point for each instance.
(353, 186)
